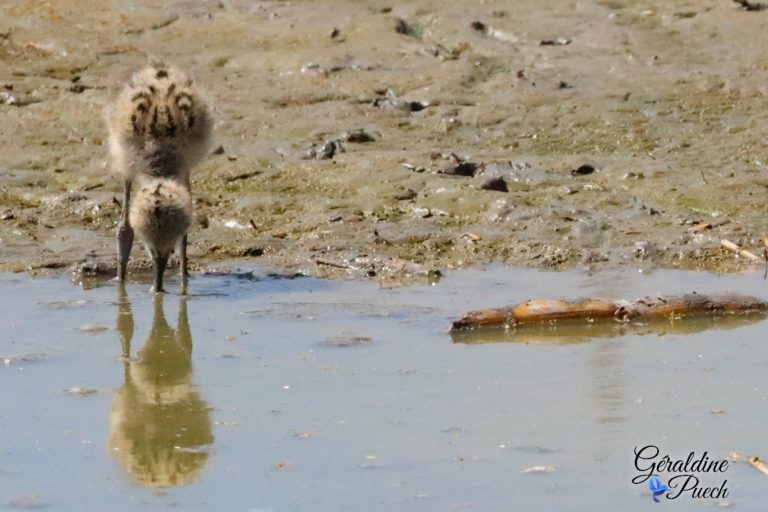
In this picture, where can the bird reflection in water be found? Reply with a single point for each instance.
(160, 427)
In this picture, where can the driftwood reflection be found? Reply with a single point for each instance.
(564, 332)
(160, 427)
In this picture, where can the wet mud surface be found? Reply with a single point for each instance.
(388, 139)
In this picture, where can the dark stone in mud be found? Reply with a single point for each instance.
(416, 106)
(403, 27)
(463, 169)
(324, 152)
(457, 166)
(252, 251)
(479, 26)
(495, 184)
(93, 265)
(583, 170)
(560, 41)
(78, 88)
(218, 151)
(357, 136)
(393, 100)
(750, 6)
(327, 150)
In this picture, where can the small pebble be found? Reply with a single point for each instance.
(496, 184)
(582, 170)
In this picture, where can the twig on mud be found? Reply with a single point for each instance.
(739, 251)
(331, 264)
(243, 176)
(754, 461)
(758, 464)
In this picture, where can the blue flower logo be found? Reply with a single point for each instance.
(657, 488)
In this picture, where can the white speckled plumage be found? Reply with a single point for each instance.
(160, 125)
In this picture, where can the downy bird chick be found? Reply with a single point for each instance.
(159, 127)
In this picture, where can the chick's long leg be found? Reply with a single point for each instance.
(183, 270)
(183, 257)
(160, 261)
(124, 234)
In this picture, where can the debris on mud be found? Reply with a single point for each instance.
(739, 251)
(496, 184)
(493, 33)
(560, 41)
(407, 29)
(412, 167)
(242, 176)
(313, 68)
(751, 6)
(582, 170)
(95, 265)
(454, 165)
(357, 136)
(325, 151)
(13, 100)
(391, 99)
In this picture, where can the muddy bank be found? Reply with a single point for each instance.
(476, 123)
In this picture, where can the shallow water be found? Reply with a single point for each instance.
(264, 393)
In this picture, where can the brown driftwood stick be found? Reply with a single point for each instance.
(540, 311)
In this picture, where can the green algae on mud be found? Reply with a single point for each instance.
(669, 108)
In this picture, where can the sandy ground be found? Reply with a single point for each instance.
(666, 100)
